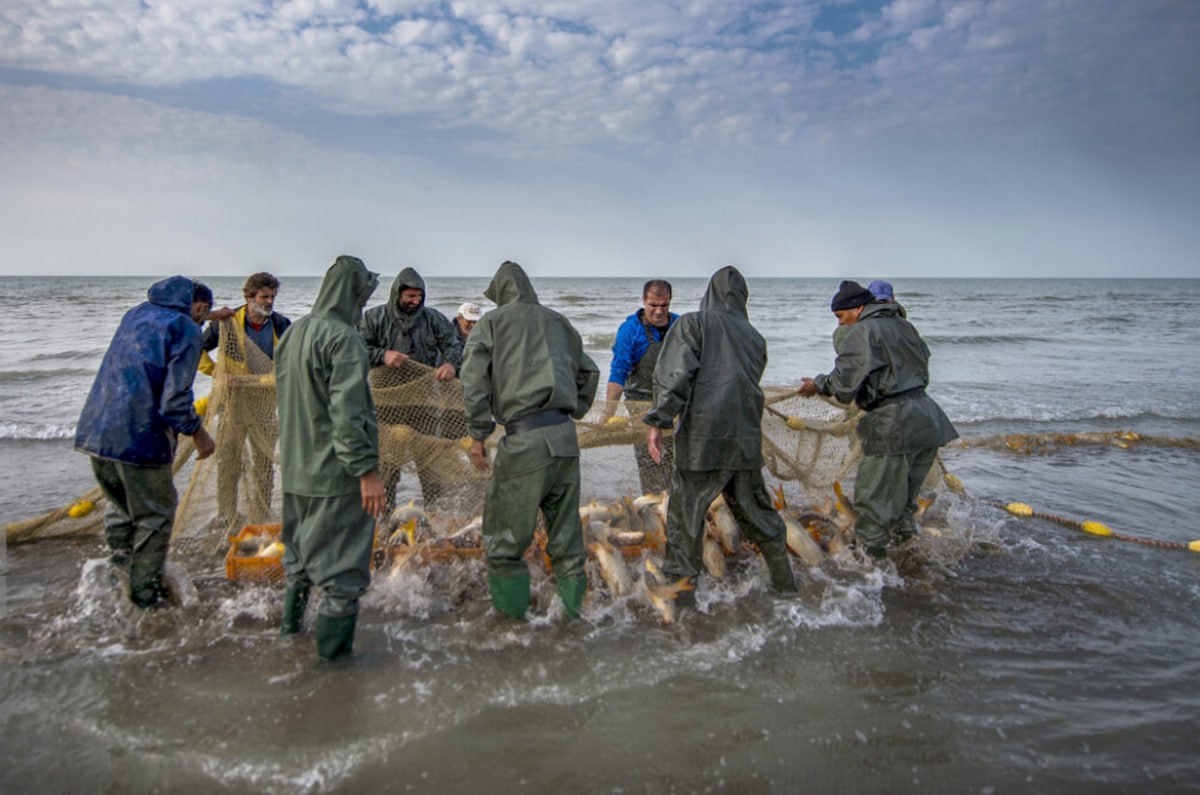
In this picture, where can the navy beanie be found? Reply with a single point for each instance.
(850, 295)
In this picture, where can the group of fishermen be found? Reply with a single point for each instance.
(522, 366)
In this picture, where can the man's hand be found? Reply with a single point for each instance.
(204, 444)
(374, 501)
(479, 457)
(394, 358)
(808, 388)
(445, 372)
(224, 313)
(654, 444)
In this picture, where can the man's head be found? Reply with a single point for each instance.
(259, 292)
(882, 290)
(411, 299)
(849, 301)
(656, 301)
(202, 299)
(468, 315)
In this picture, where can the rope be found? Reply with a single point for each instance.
(1091, 527)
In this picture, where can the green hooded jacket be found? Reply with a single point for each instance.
(523, 358)
(423, 335)
(328, 437)
(707, 375)
(882, 356)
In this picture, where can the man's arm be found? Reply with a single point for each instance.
(353, 430)
(449, 346)
(675, 372)
(373, 329)
(476, 376)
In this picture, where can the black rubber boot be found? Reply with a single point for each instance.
(779, 566)
(335, 636)
(295, 601)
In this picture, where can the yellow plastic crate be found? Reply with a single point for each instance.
(244, 566)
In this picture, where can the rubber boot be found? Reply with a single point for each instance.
(147, 594)
(335, 636)
(510, 595)
(572, 591)
(779, 566)
(295, 601)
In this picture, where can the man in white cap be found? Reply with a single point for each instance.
(468, 315)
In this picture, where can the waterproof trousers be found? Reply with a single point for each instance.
(509, 518)
(748, 499)
(327, 542)
(885, 495)
(140, 511)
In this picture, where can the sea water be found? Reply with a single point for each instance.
(1043, 659)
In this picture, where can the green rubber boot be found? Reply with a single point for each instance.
(295, 601)
(510, 595)
(779, 566)
(335, 636)
(572, 590)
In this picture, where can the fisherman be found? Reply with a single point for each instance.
(882, 291)
(707, 376)
(402, 329)
(247, 348)
(468, 315)
(140, 402)
(202, 298)
(882, 365)
(635, 352)
(329, 458)
(525, 368)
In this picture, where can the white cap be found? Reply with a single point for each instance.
(470, 312)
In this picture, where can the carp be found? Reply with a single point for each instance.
(722, 525)
(801, 543)
(662, 597)
(612, 567)
(713, 557)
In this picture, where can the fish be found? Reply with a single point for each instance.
(843, 504)
(402, 515)
(252, 545)
(612, 568)
(662, 598)
(713, 557)
(654, 529)
(801, 543)
(272, 550)
(626, 538)
(404, 534)
(594, 512)
(722, 525)
(634, 515)
(647, 500)
(598, 531)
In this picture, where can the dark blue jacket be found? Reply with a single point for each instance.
(142, 396)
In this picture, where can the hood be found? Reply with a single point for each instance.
(510, 284)
(727, 292)
(881, 309)
(406, 278)
(346, 287)
(173, 293)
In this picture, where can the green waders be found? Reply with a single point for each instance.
(327, 543)
(749, 502)
(137, 522)
(509, 519)
(885, 496)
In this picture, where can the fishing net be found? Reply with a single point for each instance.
(808, 445)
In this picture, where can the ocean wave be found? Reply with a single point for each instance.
(982, 339)
(93, 354)
(1045, 414)
(33, 376)
(37, 432)
(600, 341)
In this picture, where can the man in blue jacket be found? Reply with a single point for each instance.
(140, 402)
(635, 352)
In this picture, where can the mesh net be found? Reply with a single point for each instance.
(808, 445)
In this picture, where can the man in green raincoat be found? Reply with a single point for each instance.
(882, 365)
(525, 367)
(329, 458)
(707, 376)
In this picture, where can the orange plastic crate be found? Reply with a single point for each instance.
(254, 568)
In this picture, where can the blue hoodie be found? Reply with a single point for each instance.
(142, 396)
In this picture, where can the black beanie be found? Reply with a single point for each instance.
(850, 295)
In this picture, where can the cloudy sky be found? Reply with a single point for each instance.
(601, 137)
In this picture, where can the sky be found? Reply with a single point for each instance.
(813, 138)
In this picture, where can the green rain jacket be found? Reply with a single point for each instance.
(429, 332)
(707, 375)
(883, 366)
(328, 437)
(523, 358)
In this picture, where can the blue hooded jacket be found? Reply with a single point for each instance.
(142, 396)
